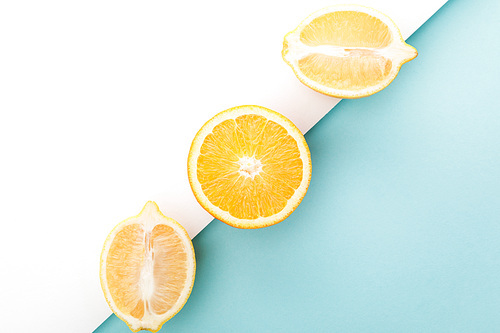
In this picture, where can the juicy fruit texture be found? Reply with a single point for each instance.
(147, 269)
(346, 51)
(249, 167)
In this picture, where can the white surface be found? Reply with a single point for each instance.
(99, 102)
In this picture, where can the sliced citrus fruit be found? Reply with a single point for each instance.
(346, 51)
(249, 167)
(147, 269)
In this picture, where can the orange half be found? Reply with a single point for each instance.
(249, 167)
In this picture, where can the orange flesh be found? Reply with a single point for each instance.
(261, 188)
(356, 37)
(133, 249)
(353, 72)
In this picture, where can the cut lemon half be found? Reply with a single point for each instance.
(249, 167)
(346, 51)
(147, 269)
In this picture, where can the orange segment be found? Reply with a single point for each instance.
(249, 167)
(147, 269)
(346, 28)
(170, 270)
(346, 51)
(128, 247)
(353, 72)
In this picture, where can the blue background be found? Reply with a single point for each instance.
(400, 228)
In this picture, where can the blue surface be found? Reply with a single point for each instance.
(400, 229)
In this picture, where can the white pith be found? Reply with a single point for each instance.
(398, 51)
(149, 218)
(249, 166)
(233, 114)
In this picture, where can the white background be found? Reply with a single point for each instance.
(99, 102)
